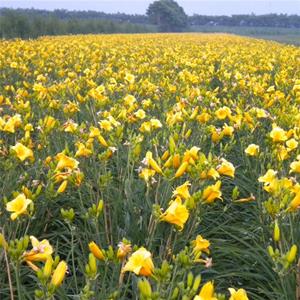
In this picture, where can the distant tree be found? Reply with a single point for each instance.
(168, 15)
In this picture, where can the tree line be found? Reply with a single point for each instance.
(161, 15)
(269, 20)
(64, 14)
(32, 24)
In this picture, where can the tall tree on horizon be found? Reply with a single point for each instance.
(168, 15)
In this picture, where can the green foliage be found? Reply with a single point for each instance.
(113, 206)
(168, 15)
(252, 20)
(14, 23)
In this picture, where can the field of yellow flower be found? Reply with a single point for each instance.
(149, 167)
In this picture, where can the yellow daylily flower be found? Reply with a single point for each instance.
(207, 292)
(106, 125)
(295, 188)
(278, 134)
(295, 167)
(227, 130)
(146, 174)
(49, 123)
(212, 192)
(261, 113)
(203, 117)
(18, 206)
(32, 266)
(129, 100)
(191, 155)
(183, 191)
(145, 127)
(140, 114)
(40, 250)
(66, 162)
(23, 152)
(176, 214)
(216, 135)
(94, 132)
(252, 150)
(212, 173)
(240, 294)
(226, 168)
(82, 151)
(12, 124)
(292, 144)
(154, 165)
(140, 263)
(155, 123)
(282, 153)
(223, 112)
(245, 200)
(70, 126)
(200, 244)
(165, 155)
(268, 177)
(295, 203)
(130, 78)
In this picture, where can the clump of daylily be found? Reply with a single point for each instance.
(284, 193)
(50, 272)
(141, 121)
(11, 123)
(64, 170)
(51, 277)
(94, 211)
(200, 246)
(283, 260)
(150, 168)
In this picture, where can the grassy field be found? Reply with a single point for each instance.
(287, 39)
(152, 167)
(283, 35)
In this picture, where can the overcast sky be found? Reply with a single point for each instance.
(207, 7)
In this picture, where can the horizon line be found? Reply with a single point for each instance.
(138, 14)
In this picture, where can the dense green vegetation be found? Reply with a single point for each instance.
(34, 23)
(144, 163)
(64, 14)
(269, 20)
(166, 16)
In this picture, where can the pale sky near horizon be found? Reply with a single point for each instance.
(205, 7)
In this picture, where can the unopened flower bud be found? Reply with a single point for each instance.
(145, 288)
(276, 233)
(291, 255)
